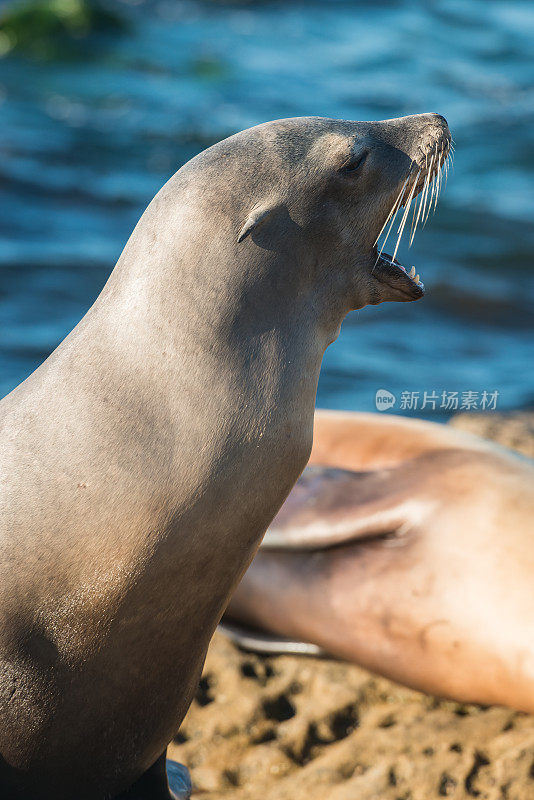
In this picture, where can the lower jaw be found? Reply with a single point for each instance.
(391, 272)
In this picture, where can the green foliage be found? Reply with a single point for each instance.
(51, 28)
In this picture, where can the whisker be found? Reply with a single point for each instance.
(446, 166)
(384, 225)
(393, 209)
(434, 194)
(408, 202)
(436, 176)
(438, 183)
(415, 217)
(433, 198)
(435, 190)
(410, 197)
(406, 212)
(389, 230)
(392, 215)
(422, 199)
(430, 178)
(428, 199)
(438, 193)
(422, 202)
(401, 227)
(438, 179)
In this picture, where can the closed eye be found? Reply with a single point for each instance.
(355, 162)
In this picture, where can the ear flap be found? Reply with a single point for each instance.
(255, 218)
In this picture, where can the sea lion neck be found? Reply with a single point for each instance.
(190, 291)
(203, 350)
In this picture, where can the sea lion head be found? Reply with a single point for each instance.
(297, 206)
(328, 187)
(341, 183)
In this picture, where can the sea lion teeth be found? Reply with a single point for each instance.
(417, 279)
(412, 272)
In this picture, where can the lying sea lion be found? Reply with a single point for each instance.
(143, 461)
(408, 548)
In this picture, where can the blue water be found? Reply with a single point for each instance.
(86, 142)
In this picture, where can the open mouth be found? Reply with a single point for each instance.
(408, 284)
(421, 187)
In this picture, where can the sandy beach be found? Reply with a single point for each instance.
(289, 728)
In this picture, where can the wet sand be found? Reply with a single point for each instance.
(290, 728)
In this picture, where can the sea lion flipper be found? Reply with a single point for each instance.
(256, 641)
(364, 441)
(330, 506)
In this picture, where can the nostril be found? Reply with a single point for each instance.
(439, 118)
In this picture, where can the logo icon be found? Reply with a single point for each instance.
(384, 400)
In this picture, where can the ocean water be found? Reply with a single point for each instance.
(88, 138)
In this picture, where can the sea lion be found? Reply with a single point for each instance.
(407, 548)
(143, 461)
